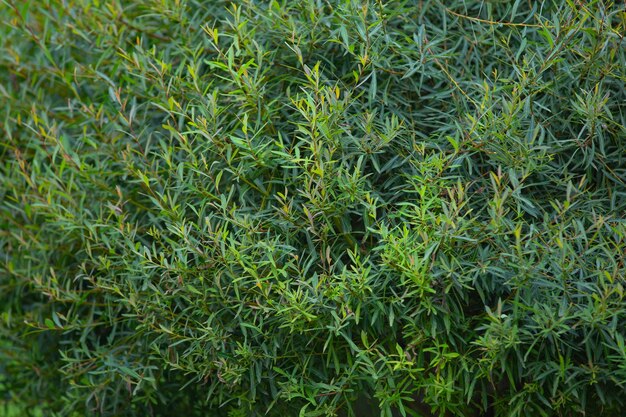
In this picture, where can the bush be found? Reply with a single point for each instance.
(313, 208)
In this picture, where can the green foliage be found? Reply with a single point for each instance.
(312, 208)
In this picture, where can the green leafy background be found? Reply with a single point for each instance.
(312, 208)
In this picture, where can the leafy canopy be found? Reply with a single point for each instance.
(303, 207)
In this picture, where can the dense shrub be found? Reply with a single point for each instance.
(312, 208)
